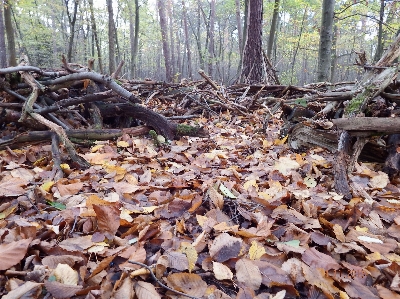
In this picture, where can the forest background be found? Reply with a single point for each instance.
(199, 34)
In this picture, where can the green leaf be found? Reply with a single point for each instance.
(225, 191)
(57, 205)
(301, 102)
(293, 243)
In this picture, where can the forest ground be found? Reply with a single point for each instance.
(235, 215)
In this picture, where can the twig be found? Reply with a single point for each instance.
(160, 283)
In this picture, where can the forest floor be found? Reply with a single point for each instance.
(235, 215)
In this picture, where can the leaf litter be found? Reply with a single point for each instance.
(236, 215)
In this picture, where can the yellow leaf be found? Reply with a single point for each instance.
(122, 144)
(7, 211)
(250, 183)
(281, 141)
(191, 254)
(256, 250)
(47, 186)
(96, 148)
(64, 166)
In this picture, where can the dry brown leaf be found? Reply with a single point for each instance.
(10, 186)
(316, 259)
(221, 271)
(177, 260)
(384, 293)
(225, 247)
(61, 291)
(12, 253)
(145, 290)
(248, 274)
(52, 261)
(26, 289)
(108, 219)
(216, 198)
(125, 291)
(188, 283)
(69, 189)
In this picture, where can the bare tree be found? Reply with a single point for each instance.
(325, 41)
(211, 29)
(72, 21)
(252, 66)
(272, 31)
(111, 37)
(134, 36)
(96, 38)
(164, 35)
(187, 42)
(3, 49)
(12, 55)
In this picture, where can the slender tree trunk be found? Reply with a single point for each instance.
(12, 55)
(334, 53)
(246, 16)
(272, 31)
(239, 27)
(96, 38)
(134, 36)
(164, 34)
(72, 21)
(187, 41)
(211, 35)
(325, 42)
(3, 49)
(252, 66)
(111, 38)
(171, 36)
(298, 44)
(379, 48)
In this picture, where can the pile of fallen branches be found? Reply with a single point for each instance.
(76, 103)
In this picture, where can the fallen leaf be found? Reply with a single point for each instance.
(12, 253)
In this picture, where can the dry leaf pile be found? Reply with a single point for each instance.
(236, 215)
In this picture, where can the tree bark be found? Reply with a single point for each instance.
(72, 21)
(239, 27)
(379, 48)
(187, 41)
(272, 31)
(111, 38)
(164, 34)
(325, 42)
(171, 37)
(12, 56)
(96, 38)
(252, 66)
(211, 36)
(3, 49)
(134, 36)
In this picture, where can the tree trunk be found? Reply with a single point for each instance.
(296, 49)
(334, 53)
(96, 38)
(3, 49)
(187, 41)
(134, 36)
(171, 37)
(379, 48)
(12, 56)
(239, 27)
(164, 34)
(252, 66)
(71, 20)
(111, 38)
(325, 42)
(272, 31)
(211, 35)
